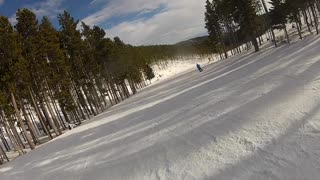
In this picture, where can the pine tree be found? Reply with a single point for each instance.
(36, 67)
(268, 21)
(293, 9)
(10, 53)
(71, 42)
(278, 15)
(213, 25)
(245, 14)
(57, 81)
(148, 71)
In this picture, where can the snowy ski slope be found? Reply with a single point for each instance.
(253, 116)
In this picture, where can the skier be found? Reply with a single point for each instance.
(199, 68)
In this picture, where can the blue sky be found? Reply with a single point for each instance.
(138, 22)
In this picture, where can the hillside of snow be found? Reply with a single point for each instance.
(173, 68)
(251, 117)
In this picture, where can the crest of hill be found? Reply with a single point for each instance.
(194, 41)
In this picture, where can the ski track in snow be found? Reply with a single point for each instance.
(253, 116)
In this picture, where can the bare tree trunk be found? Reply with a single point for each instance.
(260, 42)
(298, 28)
(306, 20)
(53, 117)
(77, 100)
(97, 100)
(102, 94)
(13, 140)
(81, 98)
(51, 123)
(4, 154)
(4, 141)
(255, 44)
(65, 114)
(76, 117)
(120, 92)
(310, 16)
(224, 50)
(43, 124)
(93, 97)
(91, 105)
(16, 134)
(125, 89)
(114, 92)
(271, 29)
(286, 32)
(32, 118)
(30, 126)
(133, 88)
(110, 94)
(21, 122)
(55, 108)
(318, 5)
(315, 17)
(220, 54)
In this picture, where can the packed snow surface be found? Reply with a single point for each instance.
(253, 116)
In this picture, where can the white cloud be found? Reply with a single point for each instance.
(1, 2)
(13, 19)
(180, 20)
(115, 8)
(49, 8)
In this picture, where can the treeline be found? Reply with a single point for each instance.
(51, 78)
(195, 47)
(240, 22)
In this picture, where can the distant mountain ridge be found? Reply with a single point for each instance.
(193, 41)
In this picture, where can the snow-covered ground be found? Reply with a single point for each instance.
(253, 116)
